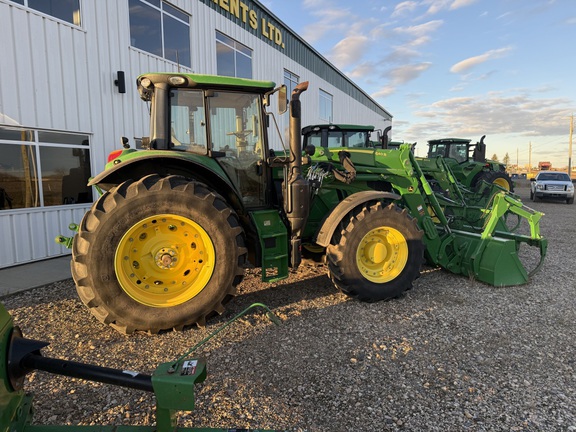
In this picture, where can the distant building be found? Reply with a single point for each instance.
(67, 93)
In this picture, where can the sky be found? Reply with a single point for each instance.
(456, 68)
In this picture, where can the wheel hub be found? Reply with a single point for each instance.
(164, 260)
(382, 254)
(503, 183)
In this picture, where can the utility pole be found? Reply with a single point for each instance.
(570, 146)
(530, 157)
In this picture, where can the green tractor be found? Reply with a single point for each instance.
(470, 171)
(469, 164)
(167, 244)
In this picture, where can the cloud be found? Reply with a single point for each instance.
(465, 65)
(461, 3)
(349, 50)
(365, 71)
(330, 19)
(404, 8)
(401, 55)
(314, 4)
(403, 74)
(399, 76)
(437, 6)
(419, 31)
(517, 114)
(467, 79)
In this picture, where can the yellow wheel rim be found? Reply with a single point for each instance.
(503, 183)
(164, 260)
(382, 255)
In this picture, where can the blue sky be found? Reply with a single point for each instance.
(456, 68)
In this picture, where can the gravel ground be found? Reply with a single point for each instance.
(451, 355)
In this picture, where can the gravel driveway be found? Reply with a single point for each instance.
(451, 355)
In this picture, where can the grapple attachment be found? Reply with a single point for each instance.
(490, 252)
(470, 232)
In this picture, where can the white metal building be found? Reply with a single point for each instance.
(62, 109)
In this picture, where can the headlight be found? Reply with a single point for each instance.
(539, 186)
(177, 80)
(145, 82)
(570, 187)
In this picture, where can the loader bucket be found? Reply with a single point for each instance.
(494, 260)
(498, 263)
(489, 252)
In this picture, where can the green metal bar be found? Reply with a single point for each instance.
(67, 241)
(429, 192)
(271, 316)
(503, 203)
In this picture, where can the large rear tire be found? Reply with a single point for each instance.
(376, 254)
(499, 178)
(158, 254)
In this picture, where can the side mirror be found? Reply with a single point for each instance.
(282, 99)
(310, 149)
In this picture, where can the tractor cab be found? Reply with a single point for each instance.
(228, 125)
(458, 149)
(453, 148)
(202, 119)
(337, 136)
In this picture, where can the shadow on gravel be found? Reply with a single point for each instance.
(305, 289)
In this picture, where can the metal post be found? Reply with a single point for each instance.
(570, 146)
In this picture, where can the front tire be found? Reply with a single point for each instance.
(376, 254)
(499, 178)
(158, 254)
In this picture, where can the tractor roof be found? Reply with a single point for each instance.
(200, 81)
(338, 127)
(450, 141)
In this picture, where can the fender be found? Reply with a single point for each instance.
(163, 163)
(138, 164)
(331, 221)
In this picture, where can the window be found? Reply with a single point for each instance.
(66, 10)
(458, 152)
(236, 132)
(232, 58)
(290, 81)
(325, 106)
(160, 29)
(188, 121)
(356, 139)
(43, 168)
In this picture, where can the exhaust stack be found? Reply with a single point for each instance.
(296, 188)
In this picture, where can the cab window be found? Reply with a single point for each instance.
(188, 121)
(236, 133)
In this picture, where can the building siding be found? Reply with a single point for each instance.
(57, 76)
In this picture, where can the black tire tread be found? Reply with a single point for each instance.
(491, 176)
(86, 282)
(338, 251)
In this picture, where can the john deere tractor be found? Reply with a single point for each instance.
(468, 162)
(166, 245)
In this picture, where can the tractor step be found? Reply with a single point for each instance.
(273, 236)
